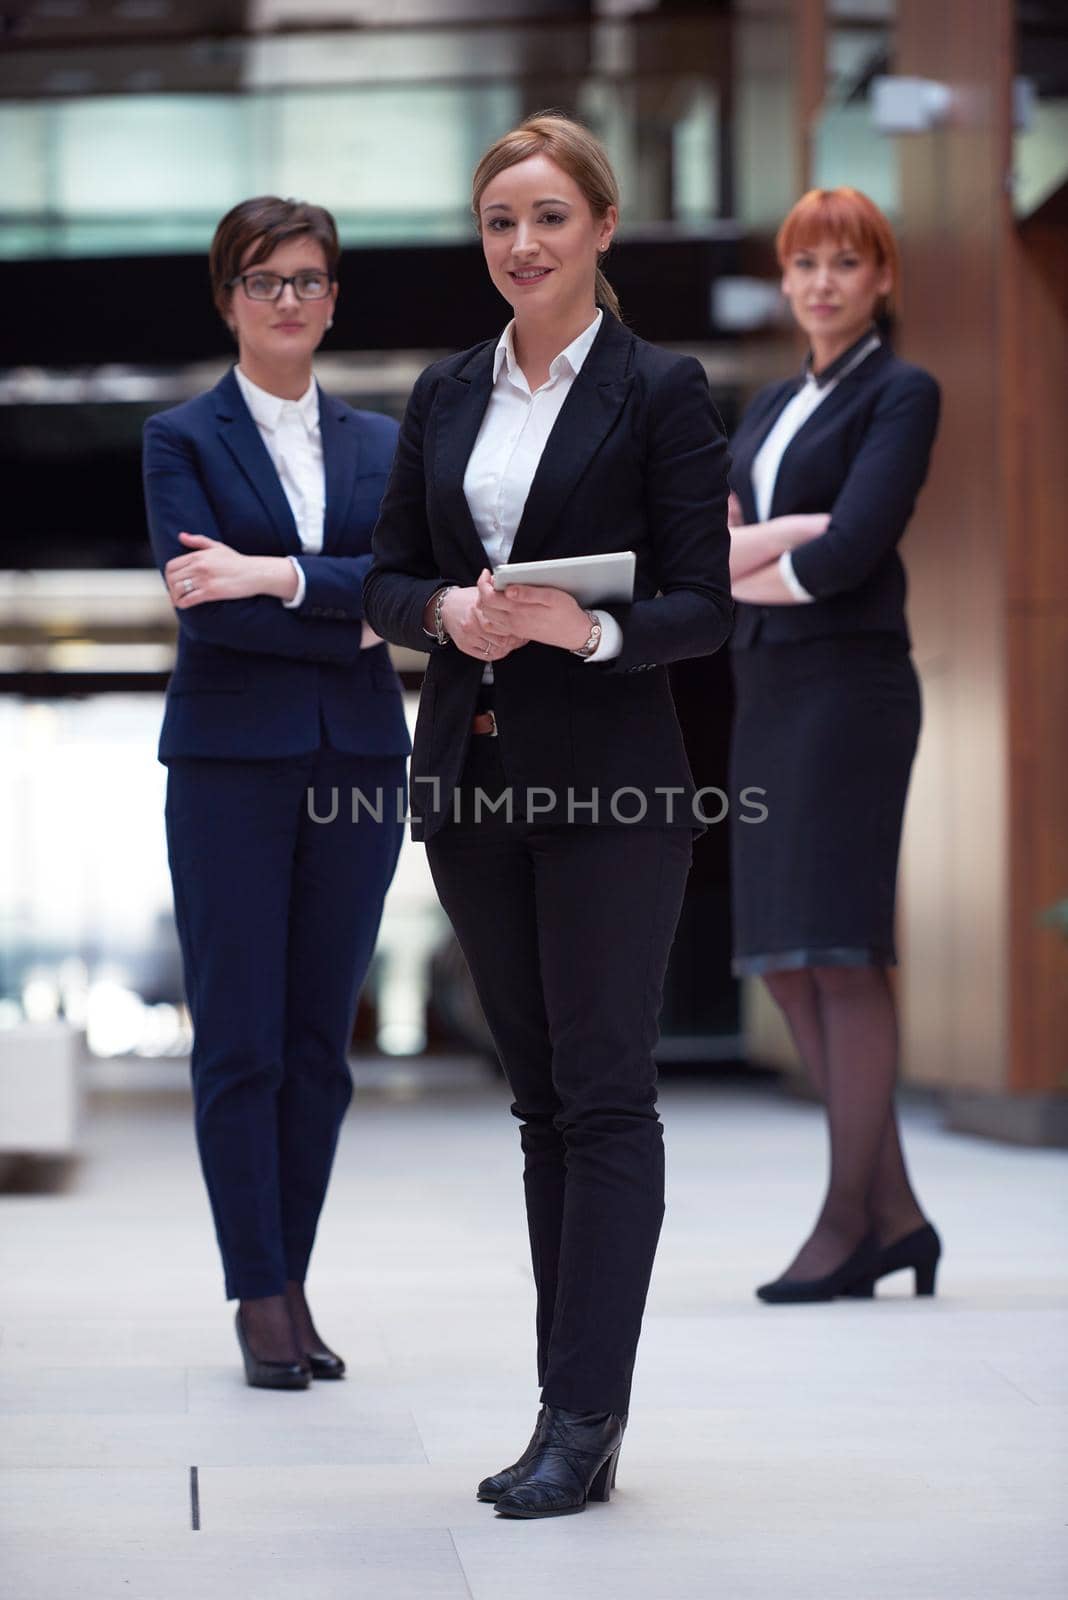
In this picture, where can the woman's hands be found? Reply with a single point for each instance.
(524, 612)
(466, 626)
(489, 626)
(212, 571)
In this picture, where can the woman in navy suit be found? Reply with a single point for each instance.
(826, 472)
(261, 498)
(549, 777)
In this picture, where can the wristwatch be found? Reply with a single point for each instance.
(586, 650)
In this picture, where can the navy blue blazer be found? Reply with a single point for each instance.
(252, 679)
(637, 460)
(862, 456)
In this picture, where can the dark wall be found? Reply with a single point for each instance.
(157, 310)
(72, 471)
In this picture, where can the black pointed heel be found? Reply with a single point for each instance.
(270, 1374)
(920, 1251)
(573, 1463)
(856, 1269)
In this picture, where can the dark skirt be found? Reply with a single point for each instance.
(828, 730)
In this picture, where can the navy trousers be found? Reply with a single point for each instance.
(277, 916)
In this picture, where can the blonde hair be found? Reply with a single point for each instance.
(576, 151)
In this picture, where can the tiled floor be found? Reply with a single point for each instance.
(895, 1450)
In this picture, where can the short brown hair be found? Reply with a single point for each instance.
(848, 217)
(260, 226)
(575, 150)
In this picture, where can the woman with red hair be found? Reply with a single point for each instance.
(827, 467)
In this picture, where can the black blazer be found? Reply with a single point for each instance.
(637, 460)
(862, 456)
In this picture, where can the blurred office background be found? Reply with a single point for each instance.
(129, 126)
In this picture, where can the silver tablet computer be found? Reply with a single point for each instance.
(592, 580)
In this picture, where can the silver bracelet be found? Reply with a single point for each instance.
(439, 620)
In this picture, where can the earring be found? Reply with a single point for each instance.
(330, 322)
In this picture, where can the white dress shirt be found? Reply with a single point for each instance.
(765, 469)
(290, 430)
(514, 432)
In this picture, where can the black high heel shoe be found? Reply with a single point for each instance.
(919, 1250)
(491, 1489)
(573, 1463)
(270, 1374)
(856, 1271)
(323, 1363)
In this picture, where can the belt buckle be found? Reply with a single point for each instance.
(493, 724)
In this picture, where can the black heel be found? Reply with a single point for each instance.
(605, 1481)
(925, 1277)
(572, 1462)
(920, 1250)
(856, 1269)
(270, 1374)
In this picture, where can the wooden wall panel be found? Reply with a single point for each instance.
(955, 930)
(1036, 405)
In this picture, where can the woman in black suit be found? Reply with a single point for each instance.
(826, 472)
(567, 436)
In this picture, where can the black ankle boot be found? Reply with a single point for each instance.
(491, 1489)
(855, 1272)
(920, 1250)
(573, 1463)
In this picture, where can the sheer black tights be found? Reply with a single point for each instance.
(844, 1023)
(279, 1327)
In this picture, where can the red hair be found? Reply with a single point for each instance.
(848, 217)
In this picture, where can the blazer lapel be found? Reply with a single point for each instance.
(586, 418)
(341, 461)
(841, 396)
(459, 405)
(242, 438)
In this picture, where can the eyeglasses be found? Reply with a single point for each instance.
(269, 285)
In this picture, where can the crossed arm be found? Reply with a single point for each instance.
(202, 572)
(756, 549)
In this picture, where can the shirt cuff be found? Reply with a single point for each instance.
(791, 580)
(611, 640)
(298, 598)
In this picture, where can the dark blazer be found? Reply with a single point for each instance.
(253, 679)
(637, 461)
(862, 456)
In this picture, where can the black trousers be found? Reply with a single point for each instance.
(277, 915)
(567, 931)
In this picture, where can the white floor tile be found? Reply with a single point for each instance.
(896, 1450)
